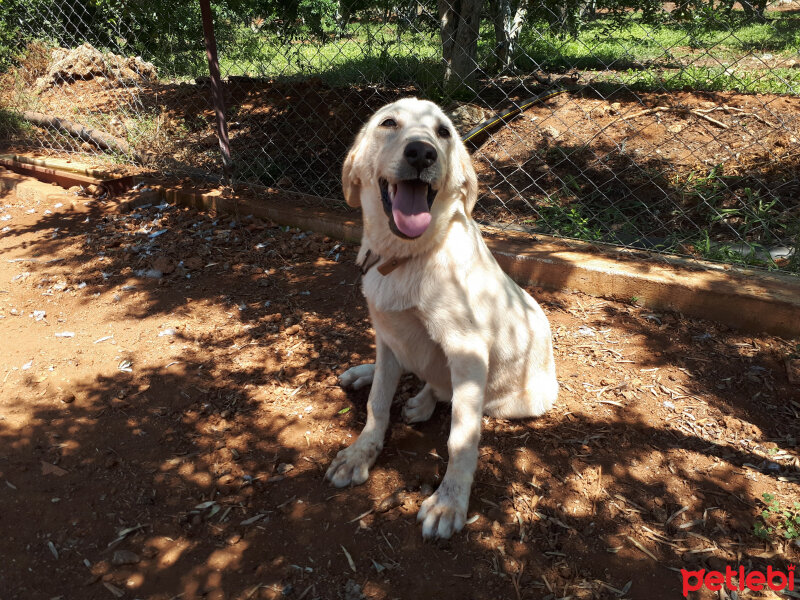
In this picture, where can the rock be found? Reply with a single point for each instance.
(467, 116)
(352, 591)
(793, 370)
(117, 128)
(551, 131)
(164, 264)
(193, 263)
(92, 189)
(392, 501)
(100, 568)
(68, 398)
(284, 468)
(659, 514)
(86, 62)
(124, 557)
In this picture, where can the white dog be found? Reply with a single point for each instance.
(441, 306)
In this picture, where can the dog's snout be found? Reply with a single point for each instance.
(420, 155)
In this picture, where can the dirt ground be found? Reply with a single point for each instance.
(168, 407)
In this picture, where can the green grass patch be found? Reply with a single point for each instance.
(723, 54)
(12, 125)
(732, 55)
(778, 520)
(364, 53)
(708, 79)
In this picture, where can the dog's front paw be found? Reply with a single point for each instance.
(351, 465)
(358, 376)
(445, 512)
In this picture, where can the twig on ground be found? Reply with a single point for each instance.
(695, 112)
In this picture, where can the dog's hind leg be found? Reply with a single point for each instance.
(420, 408)
(358, 376)
(351, 465)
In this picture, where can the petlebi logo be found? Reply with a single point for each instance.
(737, 580)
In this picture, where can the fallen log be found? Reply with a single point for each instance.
(95, 136)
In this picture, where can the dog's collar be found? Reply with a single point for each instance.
(385, 267)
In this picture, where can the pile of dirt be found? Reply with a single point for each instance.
(86, 62)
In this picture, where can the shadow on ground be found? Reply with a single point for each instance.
(203, 465)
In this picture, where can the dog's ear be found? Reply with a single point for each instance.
(468, 178)
(351, 183)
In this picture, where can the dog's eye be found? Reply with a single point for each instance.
(389, 123)
(443, 132)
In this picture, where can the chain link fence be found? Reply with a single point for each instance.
(667, 127)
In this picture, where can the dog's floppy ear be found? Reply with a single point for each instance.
(351, 183)
(469, 180)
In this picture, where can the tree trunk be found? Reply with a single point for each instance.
(508, 21)
(343, 14)
(460, 23)
(100, 138)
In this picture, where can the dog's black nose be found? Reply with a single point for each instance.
(420, 155)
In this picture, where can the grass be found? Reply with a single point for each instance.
(708, 215)
(674, 56)
(12, 125)
(671, 56)
(778, 520)
(364, 53)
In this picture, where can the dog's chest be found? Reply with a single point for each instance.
(408, 337)
(397, 291)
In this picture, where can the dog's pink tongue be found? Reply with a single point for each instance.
(410, 208)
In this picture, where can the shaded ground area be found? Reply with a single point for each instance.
(168, 406)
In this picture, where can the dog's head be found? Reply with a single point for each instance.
(409, 172)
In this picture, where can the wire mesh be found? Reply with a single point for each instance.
(674, 129)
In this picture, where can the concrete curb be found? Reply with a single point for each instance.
(747, 300)
(56, 165)
(27, 188)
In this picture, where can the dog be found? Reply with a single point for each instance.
(440, 305)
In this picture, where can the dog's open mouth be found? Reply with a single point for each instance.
(408, 205)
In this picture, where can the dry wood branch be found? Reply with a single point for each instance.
(100, 138)
(743, 113)
(696, 113)
(709, 119)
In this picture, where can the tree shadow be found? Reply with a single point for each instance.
(206, 460)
